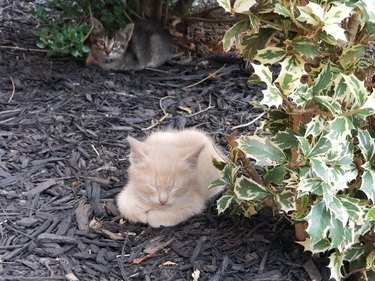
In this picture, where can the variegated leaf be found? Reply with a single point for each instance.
(368, 108)
(281, 10)
(312, 13)
(224, 202)
(368, 184)
(335, 31)
(370, 216)
(285, 201)
(263, 72)
(357, 88)
(264, 151)
(323, 81)
(243, 6)
(306, 47)
(366, 144)
(225, 4)
(335, 263)
(340, 128)
(318, 213)
(337, 13)
(351, 56)
(272, 96)
(270, 55)
(249, 190)
(354, 252)
(232, 34)
(320, 169)
(301, 95)
(330, 103)
(315, 127)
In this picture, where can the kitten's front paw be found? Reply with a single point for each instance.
(157, 218)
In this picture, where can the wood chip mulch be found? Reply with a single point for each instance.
(64, 155)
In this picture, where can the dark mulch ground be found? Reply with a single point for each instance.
(63, 158)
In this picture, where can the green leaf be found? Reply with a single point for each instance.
(232, 34)
(368, 184)
(366, 144)
(224, 202)
(249, 190)
(370, 216)
(306, 47)
(270, 55)
(264, 151)
(317, 231)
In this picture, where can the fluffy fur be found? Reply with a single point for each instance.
(134, 47)
(169, 176)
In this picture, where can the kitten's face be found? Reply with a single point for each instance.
(163, 178)
(106, 47)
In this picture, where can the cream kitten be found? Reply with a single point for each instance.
(169, 176)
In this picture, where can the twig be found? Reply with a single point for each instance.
(161, 103)
(157, 122)
(249, 123)
(13, 90)
(15, 48)
(247, 164)
(91, 22)
(203, 110)
(210, 75)
(96, 151)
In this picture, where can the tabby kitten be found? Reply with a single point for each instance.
(169, 176)
(134, 47)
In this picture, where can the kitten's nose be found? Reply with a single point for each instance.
(107, 51)
(163, 201)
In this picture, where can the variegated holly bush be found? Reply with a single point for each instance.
(316, 147)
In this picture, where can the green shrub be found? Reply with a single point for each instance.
(316, 147)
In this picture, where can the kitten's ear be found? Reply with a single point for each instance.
(98, 26)
(192, 157)
(127, 31)
(138, 151)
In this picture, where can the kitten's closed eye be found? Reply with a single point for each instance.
(153, 187)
